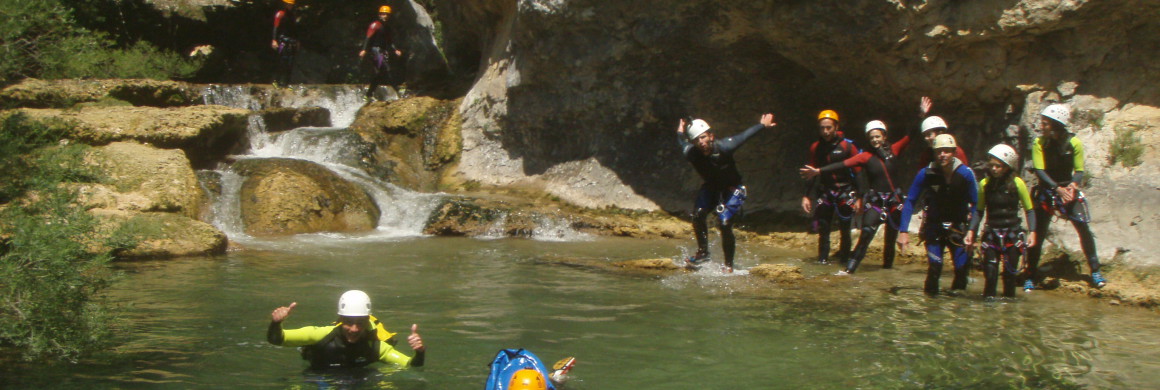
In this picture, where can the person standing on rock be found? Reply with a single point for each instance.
(831, 193)
(953, 195)
(1002, 197)
(357, 339)
(1058, 157)
(882, 200)
(285, 42)
(381, 46)
(722, 191)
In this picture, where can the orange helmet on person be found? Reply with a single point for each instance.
(828, 114)
(386, 9)
(291, 2)
(528, 379)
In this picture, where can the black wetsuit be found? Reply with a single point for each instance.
(286, 34)
(1002, 199)
(380, 45)
(1057, 164)
(832, 193)
(722, 188)
(882, 201)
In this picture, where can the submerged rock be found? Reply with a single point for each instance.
(778, 272)
(285, 196)
(286, 118)
(649, 264)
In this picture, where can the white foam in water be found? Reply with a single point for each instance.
(557, 230)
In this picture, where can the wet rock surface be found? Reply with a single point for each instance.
(34, 93)
(285, 197)
(287, 118)
(415, 138)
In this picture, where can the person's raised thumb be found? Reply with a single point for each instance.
(414, 328)
(292, 304)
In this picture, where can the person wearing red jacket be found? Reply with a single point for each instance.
(380, 45)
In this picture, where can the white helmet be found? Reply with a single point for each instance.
(875, 125)
(933, 122)
(697, 128)
(1058, 112)
(1005, 153)
(354, 303)
(944, 141)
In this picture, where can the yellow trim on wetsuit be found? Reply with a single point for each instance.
(310, 335)
(1038, 161)
(1024, 195)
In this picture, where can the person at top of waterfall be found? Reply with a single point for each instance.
(357, 339)
(953, 194)
(722, 191)
(285, 42)
(381, 46)
(881, 200)
(931, 127)
(831, 193)
(1003, 195)
(1058, 157)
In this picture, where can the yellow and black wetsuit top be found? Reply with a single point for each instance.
(1001, 199)
(1058, 164)
(325, 347)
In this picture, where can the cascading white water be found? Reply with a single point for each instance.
(402, 212)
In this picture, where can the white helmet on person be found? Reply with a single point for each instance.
(697, 128)
(1059, 113)
(354, 303)
(932, 123)
(1005, 153)
(944, 141)
(875, 125)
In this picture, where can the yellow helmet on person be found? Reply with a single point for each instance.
(528, 379)
(386, 9)
(944, 141)
(291, 2)
(828, 114)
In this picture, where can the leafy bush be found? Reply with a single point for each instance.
(51, 272)
(1126, 148)
(40, 38)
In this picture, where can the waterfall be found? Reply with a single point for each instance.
(403, 212)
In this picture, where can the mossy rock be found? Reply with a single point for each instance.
(286, 196)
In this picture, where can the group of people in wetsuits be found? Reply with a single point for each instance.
(378, 48)
(847, 184)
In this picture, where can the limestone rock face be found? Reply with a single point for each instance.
(204, 132)
(171, 235)
(416, 138)
(581, 97)
(36, 93)
(143, 178)
(284, 197)
(286, 118)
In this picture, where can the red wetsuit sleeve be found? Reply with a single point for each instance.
(813, 153)
(900, 145)
(373, 27)
(860, 159)
(962, 156)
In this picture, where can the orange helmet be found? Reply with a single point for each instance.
(291, 2)
(528, 379)
(828, 114)
(386, 9)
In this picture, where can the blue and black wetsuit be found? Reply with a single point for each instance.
(1057, 164)
(950, 209)
(1001, 200)
(882, 199)
(832, 193)
(722, 191)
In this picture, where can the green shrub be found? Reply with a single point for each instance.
(1126, 148)
(40, 38)
(53, 255)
